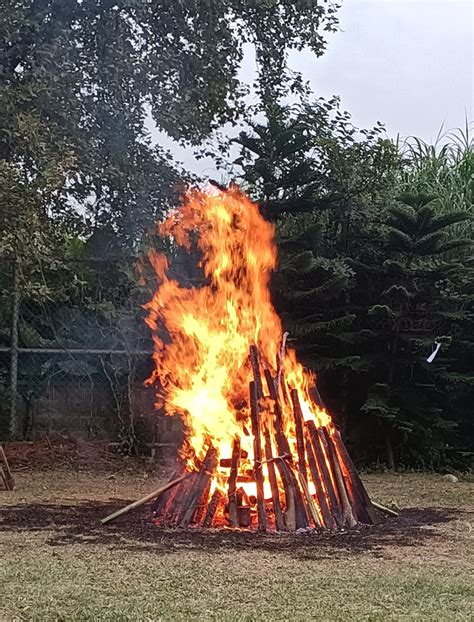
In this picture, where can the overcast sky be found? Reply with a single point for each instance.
(407, 63)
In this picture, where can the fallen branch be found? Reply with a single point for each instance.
(383, 509)
(143, 500)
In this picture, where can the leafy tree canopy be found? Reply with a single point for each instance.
(79, 78)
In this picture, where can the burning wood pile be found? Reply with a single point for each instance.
(260, 450)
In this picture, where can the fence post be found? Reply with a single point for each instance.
(13, 427)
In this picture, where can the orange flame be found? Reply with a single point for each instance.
(202, 364)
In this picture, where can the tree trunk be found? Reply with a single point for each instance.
(389, 447)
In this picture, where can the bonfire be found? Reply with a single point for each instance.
(260, 450)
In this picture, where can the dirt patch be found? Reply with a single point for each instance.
(80, 524)
(59, 523)
(63, 508)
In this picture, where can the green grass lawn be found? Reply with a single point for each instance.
(58, 563)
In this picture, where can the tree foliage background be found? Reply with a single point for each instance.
(80, 77)
(375, 267)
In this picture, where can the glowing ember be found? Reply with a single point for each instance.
(203, 371)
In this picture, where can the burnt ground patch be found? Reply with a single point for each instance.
(80, 524)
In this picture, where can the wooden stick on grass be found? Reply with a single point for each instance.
(383, 509)
(136, 504)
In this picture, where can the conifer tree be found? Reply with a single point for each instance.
(418, 301)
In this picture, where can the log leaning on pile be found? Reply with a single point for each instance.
(295, 514)
(257, 452)
(327, 518)
(216, 499)
(5, 471)
(200, 484)
(277, 510)
(326, 480)
(298, 419)
(232, 484)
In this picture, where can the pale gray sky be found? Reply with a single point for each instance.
(407, 63)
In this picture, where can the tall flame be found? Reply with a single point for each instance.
(202, 365)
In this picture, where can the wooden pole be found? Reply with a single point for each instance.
(216, 499)
(309, 499)
(356, 485)
(298, 417)
(282, 441)
(384, 509)
(143, 500)
(290, 494)
(316, 397)
(279, 521)
(283, 450)
(232, 489)
(328, 519)
(348, 517)
(206, 471)
(5, 471)
(178, 502)
(270, 384)
(257, 449)
(295, 513)
(160, 503)
(323, 468)
(361, 500)
(254, 360)
(202, 505)
(280, 361)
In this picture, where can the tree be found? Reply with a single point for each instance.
(408, 310)
(320, 178)
(80, 77)
(366, 284)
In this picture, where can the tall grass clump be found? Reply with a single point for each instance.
(444, 170)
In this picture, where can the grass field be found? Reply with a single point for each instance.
(59, 563)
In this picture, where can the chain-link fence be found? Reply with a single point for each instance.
(75, 352)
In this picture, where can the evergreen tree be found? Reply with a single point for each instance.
(417, 300)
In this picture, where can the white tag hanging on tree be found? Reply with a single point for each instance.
(432, 356)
